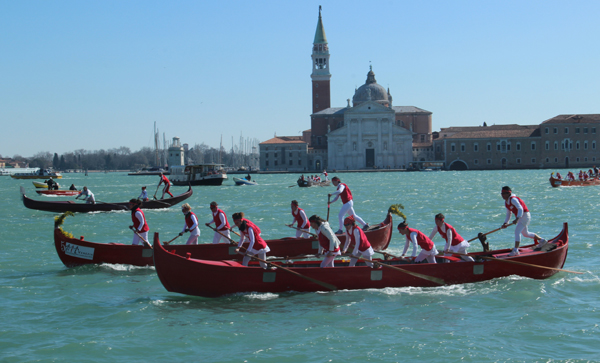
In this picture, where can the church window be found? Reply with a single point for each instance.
(593, 145)
(585, 130)
(556, 160)
(593, 130)
(533, 145)
(577, 129)
(462, 147)
(566, 130)
(453, 147)
(547, 130)
(556, 130)
(577, 145)
(290, 162)
(547, 145)
(476, 147)
(518, 146)
(555, 145)
(489, 146)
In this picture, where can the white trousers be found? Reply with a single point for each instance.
(217, 237)
(302, 233)
(367, 255)
(137, 240)
(521, 227)
(348, 208)
(428, 255)
(262, 254)
(193, 240)
(460, 248)
(328, 260)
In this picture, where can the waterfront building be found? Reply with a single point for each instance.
(564, 141)
(285, 153)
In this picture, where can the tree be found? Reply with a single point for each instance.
(55, 161)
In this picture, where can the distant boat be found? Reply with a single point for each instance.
(198, 174)
(41, 174)
(574, 183)
(150, 171)
(244, 181)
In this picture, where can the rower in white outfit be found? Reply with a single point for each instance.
(344, 192)
(516, 206)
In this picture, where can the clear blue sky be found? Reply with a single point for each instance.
(96, 75)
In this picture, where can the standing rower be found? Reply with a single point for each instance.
(416, 237)
(454, 241)
(300, 218)
(516, 206)
(342, 191)
(362, 247)
(221, 223)
(165, 180)
(191, 225)
(329, 244)
(139, 222)
(251, 232)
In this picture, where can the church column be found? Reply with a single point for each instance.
(379, 141)
(359, 147)
(349, 149)
(390, 151)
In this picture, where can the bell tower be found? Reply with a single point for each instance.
(321, 94)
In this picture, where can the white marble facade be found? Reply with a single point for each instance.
(369, 138)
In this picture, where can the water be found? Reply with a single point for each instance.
(107, 313)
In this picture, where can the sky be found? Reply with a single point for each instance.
(97, 74)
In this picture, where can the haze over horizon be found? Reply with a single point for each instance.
(97, 75)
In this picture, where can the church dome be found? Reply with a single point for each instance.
(370, 91)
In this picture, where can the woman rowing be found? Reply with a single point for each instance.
(362, 247)
(329, 244)
(300, 218)
(516, 206)
(251, 232)
(191, 225)
(454, 241)
(416, 237)
(343, 192)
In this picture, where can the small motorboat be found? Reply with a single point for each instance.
(244, 181)
(40, 174)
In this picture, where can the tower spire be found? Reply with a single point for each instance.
(320, 69)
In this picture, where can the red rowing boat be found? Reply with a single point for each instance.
(186, 275)
(573, 183)
(76, 252)
(58, 192)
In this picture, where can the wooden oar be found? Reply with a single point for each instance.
(156, 190)
(385, 254)
(142, 238)
(179, 235)
(485, 234)
(516, 262)
(300, 229)
(328, 205)
(415, 274)
(324, 284)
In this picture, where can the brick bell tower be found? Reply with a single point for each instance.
(321, 94)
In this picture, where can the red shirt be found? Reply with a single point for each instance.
(136, 222)
(189, 222)
(300, 218)
(508, 204)
(324, 242)
(456, 238)
(217, 220)
(259, 243)
(422, 240)
(346, 195)
(363, 244)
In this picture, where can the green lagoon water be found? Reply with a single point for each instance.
(123, 313)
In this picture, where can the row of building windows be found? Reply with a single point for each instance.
(577, 130)
(276, 163)
(533, 160)
(505, 146)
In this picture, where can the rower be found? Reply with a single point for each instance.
(88, 196)
(144, 195)
(516, 206)
(362, 247)
(191, 225)
(454, 241)
(416, 237)
(139, 222)
(329, 244)
(256, 246)
(342, 191)
(221, 223)
(165, 180)
(300, 217)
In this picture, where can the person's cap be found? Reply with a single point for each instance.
(349, 220)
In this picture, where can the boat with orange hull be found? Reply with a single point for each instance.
(75, 252)
(58, 192)
(185, 275)
(573, 183)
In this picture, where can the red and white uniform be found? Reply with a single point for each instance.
(221, 225)
(302, 223)
(329, 244)
(140, 225)
(191, 224)
(256, 245)
(516, 206)
(345, 194)
(164, 179)
(428, 250)
(362, 247)
(454, 241)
